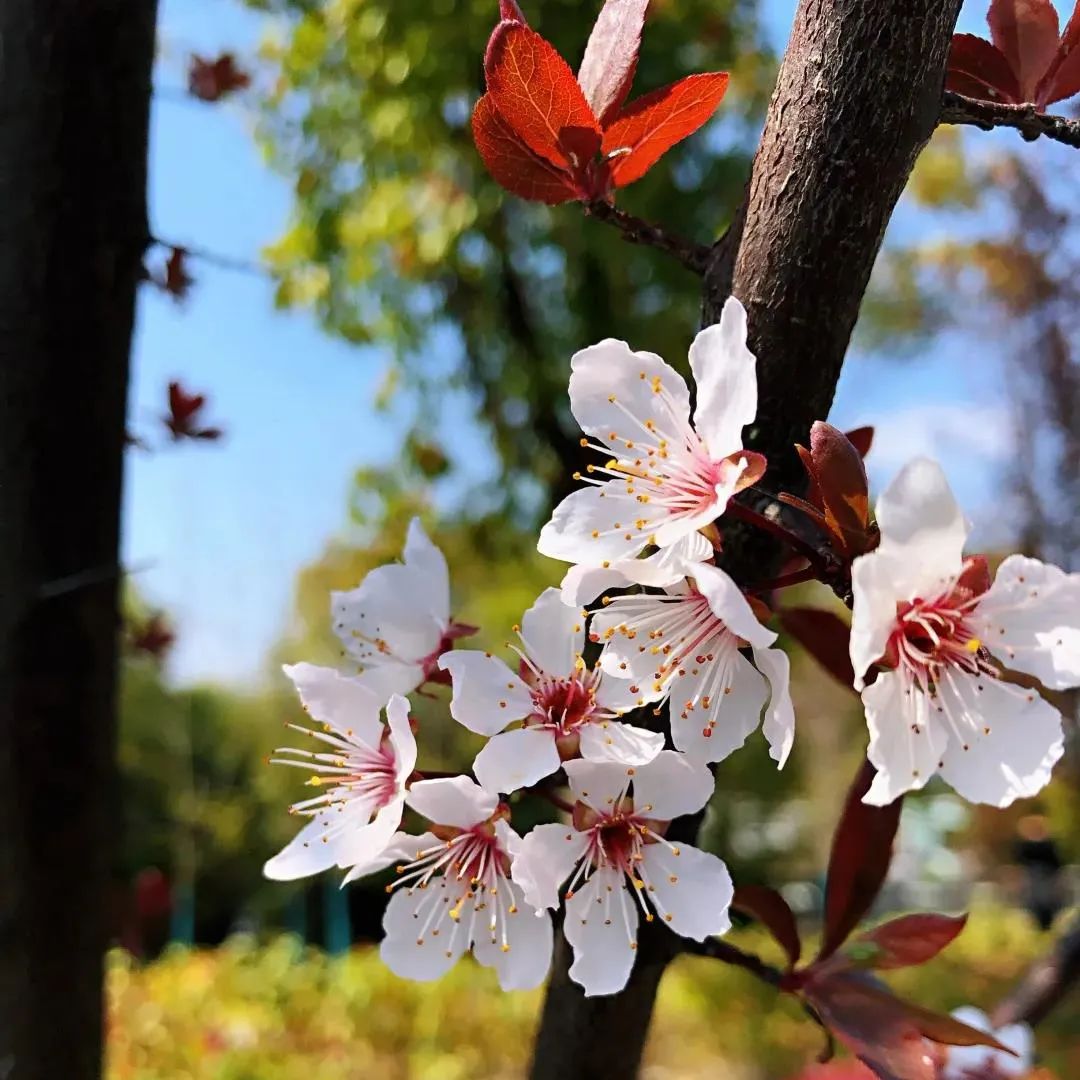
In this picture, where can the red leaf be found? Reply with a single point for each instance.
(211, 80)
(174, 278)
(154, 637)
(841, 479)
(184, 409)
(611, 55)
(1027, 33)
(978, 69)
(825, 636)
(509, 11)
(513, 164)
(909, 940)
(1062, 78)
(859, 861)
(862, 438)
(539, 99)
(652, 124)
(772, 911)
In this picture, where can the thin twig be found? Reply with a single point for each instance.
(958, 109)
(739, 509)
(726, 953)
(215, 258)
(1048, 981)
(693, 256)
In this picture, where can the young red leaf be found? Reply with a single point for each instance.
(862, 438)
(1062, 78)
(182, 418)
(979, 70)
(538, 98)
(510, 11)
(859, 860)
(1027, 34)
(908, 940)
(154, 637)
(211, 80)
(513, 164)
(825, 636)
(772, 911)
(841, 479)
(652, 124)
(611, 55)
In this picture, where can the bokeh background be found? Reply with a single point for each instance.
(381, 332)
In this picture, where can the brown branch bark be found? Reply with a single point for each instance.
(958, 109)
(695, 257)
(857, 97)
(1046, 984)
(74, 107)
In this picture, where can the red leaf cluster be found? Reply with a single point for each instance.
(1026, 60)
(153, 638)
(838, 496)
(551, 137)
(183, 417)
(211, 80)
(173, 277)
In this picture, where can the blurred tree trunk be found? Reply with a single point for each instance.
(74, 107)
(857, 97)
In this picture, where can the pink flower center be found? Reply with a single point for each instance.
(564, 705)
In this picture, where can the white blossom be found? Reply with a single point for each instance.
(565, 708)
(984, 1062)
(664, 478)
(359, 765)
(938, 632)
(617, 865)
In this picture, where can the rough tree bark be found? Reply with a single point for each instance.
(857, 97)
(74, 104)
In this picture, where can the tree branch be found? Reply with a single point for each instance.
(987, 115)
(1047, 982)
(717, 949)
(693, 256)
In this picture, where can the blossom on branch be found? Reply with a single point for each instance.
(684, 644)
(396, 623)
(361, 764)
(664, 479)
(984, 1062)
(566, 709)
(619, 866)
(453, 891)
(939, 633)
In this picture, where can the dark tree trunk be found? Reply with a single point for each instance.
(74, 104)
(857, 97)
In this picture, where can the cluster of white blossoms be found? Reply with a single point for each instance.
(580, 716)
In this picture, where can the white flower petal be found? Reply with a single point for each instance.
(964, 1061)
(668, 530)
(528, 935)
(906, 743)
(606, 511)
(487, 695)
(736, 707)
(619, 693)
(671, 785)
(456, 800)
(429, 564)
(598, 784)
(412, 948)
(545, 859)
(729, 605)
(316, 846)
(922, 523)
(339, 701)
(1003, 742)
(725, 373)
(1030, 620)
(778, 726)
(553, 633)
(403, 848)
(401, 738)
(601, 925)
(390, 676)
(620, 743)
(365, 845)
(877, 584)
(610, 369)
(583, 584)
(693, 887)
(516, 759)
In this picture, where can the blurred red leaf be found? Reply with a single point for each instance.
(1026, 32)
(862, 438)
(536, 93)
(909, 940)
(978, 69)
(513, 164)
(1062, 78)
(211, 80)
(611, 56)
(182, 419)
(174, 278)
(649, 126)
(772, 911)
(859, 861)
(154, 637)
(825, 636)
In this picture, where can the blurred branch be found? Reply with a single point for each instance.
(1047, 982)
(987, 115)
(720, 950)
(215, 258)
(693, 256)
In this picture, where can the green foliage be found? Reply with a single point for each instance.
(398, 235)
(280, 1011)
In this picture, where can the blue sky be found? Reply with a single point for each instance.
(215, 533)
